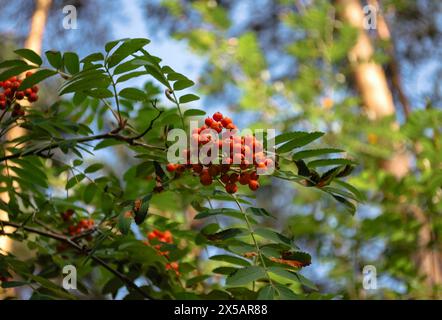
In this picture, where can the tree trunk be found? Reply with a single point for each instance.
(34, 42)
(372, 84)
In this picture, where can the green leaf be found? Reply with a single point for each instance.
(359, 195)
(259, 212)
(224, 270)
(299, 141)
(124, 221)
(15, 71)
(274, 236)
(89, 192)
(231, 259)
(267, 292)
(126, 49)
(35, 78)
(292, 276)
(182, 84)
(142, 211)
(74, 180)
(94, 167)
(29, 55)
(227, 234)
(351, 208)
(54, 58)
(13, 284)
(99, 93)
(71, 62)
(97, 56)
(329, 162)
(174, 76)
(220, 211)
(131, 75)
(289, 136)
(245, 275)
(314, 152)
(12, 63)
(111, 44)
(107, 143)
(194, 112)
(133, 94)
(188, 98)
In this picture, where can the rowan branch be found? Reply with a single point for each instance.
(110, 135)
(70, 241)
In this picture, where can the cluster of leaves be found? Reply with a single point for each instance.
(48, 170)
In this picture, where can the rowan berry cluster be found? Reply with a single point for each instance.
(244, 156)
(11, 95)
(82, 226)
(77, 228)
(161, 238)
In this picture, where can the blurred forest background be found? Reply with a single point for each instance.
(307, 65)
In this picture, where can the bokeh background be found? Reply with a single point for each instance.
(302, 65)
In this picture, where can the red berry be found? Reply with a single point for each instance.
(180, 168)
(171, 167)
(28, 92)
(2, 105)
(33, 97)
(2, 84)
(214, 170)
(12, 79)
(254, 176)
(19, 95)
(8, 92)
(233, 178)
(253, 185)
(208, 122)
(2, 97)
(29, 73)
(226, 121)
(244, 178)
(206, 180)
(197, 168)
(7, 84)
(230, 126)
(231, 188)
(217, 116)
(34, 89)
(15, 85)
(225, 178)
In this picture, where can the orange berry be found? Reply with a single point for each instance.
(253, 185)
(151, 235)
(226, 121)
(171, 167)
(217, 116)
(208, 122)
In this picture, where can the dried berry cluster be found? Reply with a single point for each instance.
(235, 165)
(11, 95)
(162, 238)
